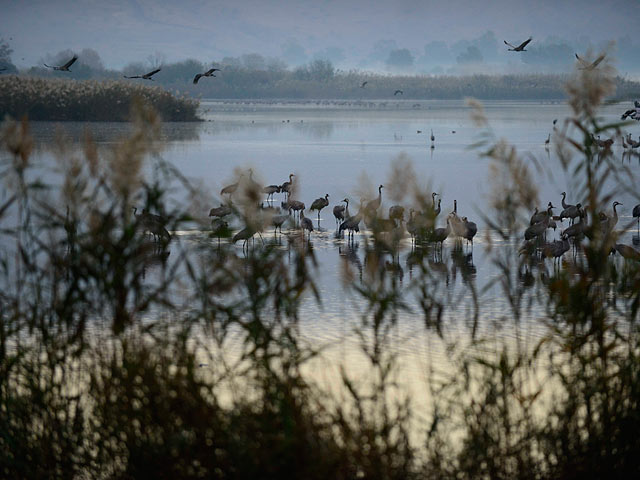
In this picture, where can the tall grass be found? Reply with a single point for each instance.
(88, 100)
(115, 358)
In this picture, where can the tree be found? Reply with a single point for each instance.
(321, 70)
(91, 58)
(400, 57)
(471, 55)
(5, 57)
(254, 61)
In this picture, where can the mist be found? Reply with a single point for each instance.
(406, 37)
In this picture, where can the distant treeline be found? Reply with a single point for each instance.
(87, 100)
(258, 79)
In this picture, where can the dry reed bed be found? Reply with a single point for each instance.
(89, 100)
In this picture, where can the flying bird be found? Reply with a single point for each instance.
(398, 92)
(208, 73)
(519, 48)
(590, 66)
(146, 76)
(65, 67)
(363, 84)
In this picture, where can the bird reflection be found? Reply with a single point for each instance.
(350, 253)
(462, 262)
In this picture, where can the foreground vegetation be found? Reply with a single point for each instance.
(89, 100)
(115, 362)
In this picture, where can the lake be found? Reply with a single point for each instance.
(346, 150)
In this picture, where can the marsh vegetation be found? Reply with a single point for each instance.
(114, 348)
(87, 100)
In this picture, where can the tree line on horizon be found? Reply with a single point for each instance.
(256, 76)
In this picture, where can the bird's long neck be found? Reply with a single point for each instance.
(615, 213)
(564, 203)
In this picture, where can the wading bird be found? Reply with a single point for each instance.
(305, 224)
(286, 186)
(245, 235)
(590, 66)
(627, 251)
(547, 141)
(519, 48)
(374, 204)
(208, 73)
(221, 211)
(339, 211)
(319, 203)
(230, 189)
(396, 213)
(441, 234)
(608, 223)
(270, 190)
(636, 214)
(398, 92)
(352, 224)
(65, 67)
(146, 76)
(277, 221)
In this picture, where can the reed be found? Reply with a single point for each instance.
(115, 358)
(88, 100)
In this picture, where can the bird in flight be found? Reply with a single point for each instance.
(590, 66)
(363, 84)
(208, 73)
(146, 76)
(398, 92)
(65, 67)
(519, 48)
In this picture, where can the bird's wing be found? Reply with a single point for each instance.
(524, 44)
(598, 60)
(210, 71)
(196, 78)
(507, 43)
(581, 60)
(70, 62)
(148, 75)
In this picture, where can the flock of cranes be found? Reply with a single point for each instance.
(535, 243)
(145, 76)
(420, 225)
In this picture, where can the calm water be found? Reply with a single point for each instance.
(340, 149)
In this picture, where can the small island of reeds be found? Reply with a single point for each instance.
(87, 100)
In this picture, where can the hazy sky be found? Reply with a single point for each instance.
(122, 31)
